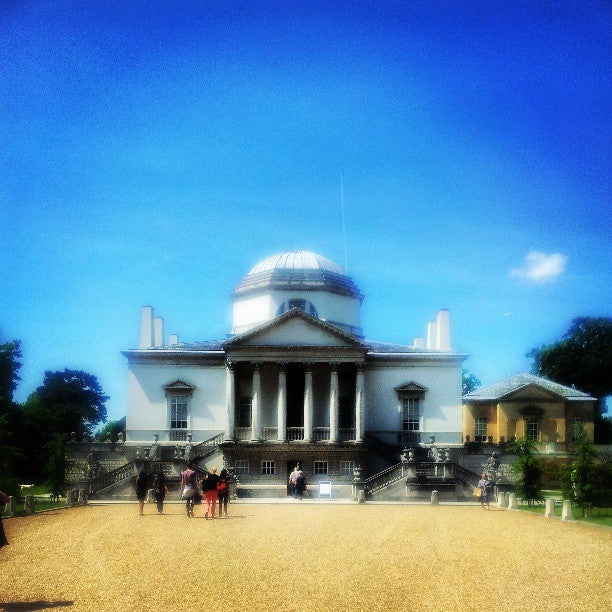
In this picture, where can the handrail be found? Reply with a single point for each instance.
(442, 471)
(384, 479)
(118, 475)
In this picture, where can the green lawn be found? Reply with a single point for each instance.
(599, 516)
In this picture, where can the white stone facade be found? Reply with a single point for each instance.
(296, 378)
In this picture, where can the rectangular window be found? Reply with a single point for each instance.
(244, 412)
(321, 467)
(411, 413)
(532, 428)
(268, 467)
(178, 412)
(241, 467)
(480, 430)
(347, 468)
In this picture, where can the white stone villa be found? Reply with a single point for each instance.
(296, 381)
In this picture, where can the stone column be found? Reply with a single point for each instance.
(550, 507)
(29, 504)
(256, 405)
(10, 507)
(501, 499)
(308, 405)
(281, 418)
(334, 406)
(230, 402)
(359, 404)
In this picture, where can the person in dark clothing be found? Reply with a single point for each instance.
(189, 488)
(209, 488)
(160, 490)
(223, 491)
(4, 499)
(300, 485)
(141, 490)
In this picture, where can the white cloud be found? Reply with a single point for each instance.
(540, 268)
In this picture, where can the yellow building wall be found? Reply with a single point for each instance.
(504, 419)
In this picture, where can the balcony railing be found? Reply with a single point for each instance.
(295, 433)
(347, 434)
(177, 435)
(269, 433)
(243, 433)
(321, 433)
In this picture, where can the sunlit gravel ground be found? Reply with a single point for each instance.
(304, 556)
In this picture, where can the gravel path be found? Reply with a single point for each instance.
(304, 557)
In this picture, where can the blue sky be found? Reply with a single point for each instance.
(153, 152)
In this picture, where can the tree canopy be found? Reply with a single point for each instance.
(469, 382)
(581, 359)
(69, 401)
(10, 354)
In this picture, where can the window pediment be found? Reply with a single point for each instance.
(179, 387)
(410, 389)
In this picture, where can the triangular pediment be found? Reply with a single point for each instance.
(531, 392)
(179, 387)
(411, 387)
(295, 328)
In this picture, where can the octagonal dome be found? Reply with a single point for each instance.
(303, 270)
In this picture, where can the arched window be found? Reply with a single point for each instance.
(303, 305)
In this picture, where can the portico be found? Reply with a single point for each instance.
(282, 388)
(314, 401)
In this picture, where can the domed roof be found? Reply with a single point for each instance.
(301, 270)
(296, 260)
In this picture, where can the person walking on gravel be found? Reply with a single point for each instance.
(141, 490)
(189, 488)
(160, 490)
(223, 491)
(484, 484)
(209, 488)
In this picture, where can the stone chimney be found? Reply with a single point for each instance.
(158, 332)
(419, 343)
(431, 335)
(173, 340)
(443, 342)
(438, 332)
(146, 328)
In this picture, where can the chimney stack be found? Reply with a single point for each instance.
(146, 328)
(443, 342)
(158, 332)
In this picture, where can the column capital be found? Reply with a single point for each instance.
(230, 365)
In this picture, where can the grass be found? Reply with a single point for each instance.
(599, 516)
(304, 556)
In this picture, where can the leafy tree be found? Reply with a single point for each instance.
(70, 401)
(469, 382)
(10, 354)
(56, 451)
(587, 481)
(10, 415)
(66, 402)
(529, 469)
(581, 359)
(112, 430)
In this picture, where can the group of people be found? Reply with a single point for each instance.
(213, 489)
(297, 483)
